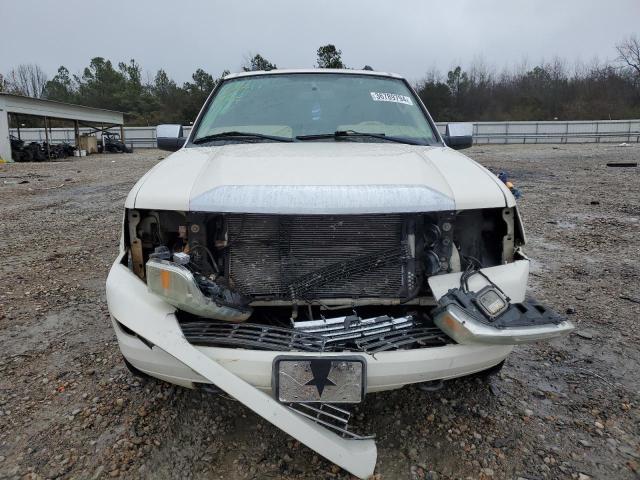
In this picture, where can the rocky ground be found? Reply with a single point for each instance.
(565, 409)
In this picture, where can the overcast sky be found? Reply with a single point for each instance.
(408, 37)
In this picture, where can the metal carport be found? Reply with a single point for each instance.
(18, 104)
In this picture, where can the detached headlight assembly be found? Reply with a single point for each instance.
(177, 286)
(487, 317)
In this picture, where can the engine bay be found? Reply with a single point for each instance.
(276, 269)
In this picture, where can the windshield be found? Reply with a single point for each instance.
(292, 106)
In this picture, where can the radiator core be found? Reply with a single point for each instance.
(266, 253)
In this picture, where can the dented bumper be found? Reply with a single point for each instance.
(130, 301)
(146, 315)
(151, 339)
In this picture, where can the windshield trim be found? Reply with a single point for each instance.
(415, 97)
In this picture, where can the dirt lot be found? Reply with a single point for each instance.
(566, 409)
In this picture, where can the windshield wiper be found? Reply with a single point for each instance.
(351, 133)
(239, 136)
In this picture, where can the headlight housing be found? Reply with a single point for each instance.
(177, 285)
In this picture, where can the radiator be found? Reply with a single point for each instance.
(269, 254)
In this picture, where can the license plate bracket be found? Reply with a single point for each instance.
(315, 379)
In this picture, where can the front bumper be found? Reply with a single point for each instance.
(153, 318)
(130, 301)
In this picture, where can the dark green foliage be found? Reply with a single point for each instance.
(152, 103)
(545, 92)
(61, 87)
(101, 84)
(330, 57)
(259, 63)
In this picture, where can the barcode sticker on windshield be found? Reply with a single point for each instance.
(391, 97)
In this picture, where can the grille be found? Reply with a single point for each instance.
(341, 329)
(268, 254)
(330, 416)
(245, 335)
(371, 335)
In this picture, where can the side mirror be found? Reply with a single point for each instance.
(170, 137)
(459, 135)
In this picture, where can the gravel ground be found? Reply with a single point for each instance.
(564, 409)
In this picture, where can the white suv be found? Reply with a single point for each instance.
(315, 239)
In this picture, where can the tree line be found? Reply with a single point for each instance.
(548, 91)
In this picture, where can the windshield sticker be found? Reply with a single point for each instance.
(391, 97)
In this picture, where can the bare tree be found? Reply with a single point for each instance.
(629, 53)
(27, 79)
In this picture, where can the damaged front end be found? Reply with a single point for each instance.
(402, 279)
(318, 310)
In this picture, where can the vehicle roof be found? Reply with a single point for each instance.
(343, 71)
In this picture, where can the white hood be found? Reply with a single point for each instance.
(318, 177)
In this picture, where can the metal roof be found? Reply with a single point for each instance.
(49, 108)
(344, 71)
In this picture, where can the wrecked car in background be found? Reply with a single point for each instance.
(315, 239)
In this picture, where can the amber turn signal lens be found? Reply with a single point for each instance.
(165, 279)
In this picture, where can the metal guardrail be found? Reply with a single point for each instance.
(600, 131)
(630, 137)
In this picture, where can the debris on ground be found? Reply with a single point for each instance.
(504, 178)
(622, 164)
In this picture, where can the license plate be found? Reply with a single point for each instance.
(319, 379)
